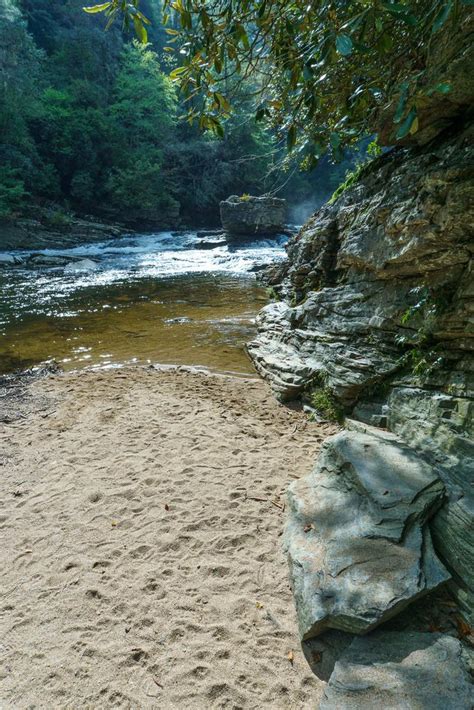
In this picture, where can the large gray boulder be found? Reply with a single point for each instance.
(248, 216)
(358, 547)
(400, 671)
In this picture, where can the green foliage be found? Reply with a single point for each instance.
(323, 69)
(421, 319)
(353, 176)
(326, 406)
(272, 294)
(89, 121)
(57, 218)
(12, 192)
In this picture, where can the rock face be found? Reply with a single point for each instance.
(353, 270)
(247, 216)
(359, 550)
(374, 316)
(377, 309)
(400, 671)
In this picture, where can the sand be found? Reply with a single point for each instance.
(141, 544)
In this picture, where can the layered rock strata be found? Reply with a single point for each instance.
(376, 311)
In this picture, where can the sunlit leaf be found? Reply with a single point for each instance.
(344, 44)
(400, 110)
(406, 127)
(291, 137)
(442, 16)
(140, 30)
(97, 8)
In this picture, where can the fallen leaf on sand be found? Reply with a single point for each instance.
(259, 605)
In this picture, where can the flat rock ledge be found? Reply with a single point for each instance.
(358, 545)
(400, 671)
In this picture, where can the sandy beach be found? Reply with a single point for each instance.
(141, 543)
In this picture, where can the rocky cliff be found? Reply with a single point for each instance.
(374, 320)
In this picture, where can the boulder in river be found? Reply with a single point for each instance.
(248, 216)
(389, 669)
(359, 549)
(82, 265)
(49, 260)
(206, 244)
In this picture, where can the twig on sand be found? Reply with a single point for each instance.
(278, 505)
(266, 500)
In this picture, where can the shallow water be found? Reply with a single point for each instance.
(153, 298)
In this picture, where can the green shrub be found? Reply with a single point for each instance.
(326, 405)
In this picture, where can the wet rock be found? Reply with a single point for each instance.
(252, 215)
(257, 268)
(48, 260)
(52, 231)
(210, 243)
(395, 670)
(204, 233)
(10, 260)
(358, 545)
(81, 265)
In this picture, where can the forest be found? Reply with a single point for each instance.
(90, 122)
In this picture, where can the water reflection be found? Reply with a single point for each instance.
(154, 298)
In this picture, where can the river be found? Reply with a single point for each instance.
(152, 299)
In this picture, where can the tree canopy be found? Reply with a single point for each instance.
(89, 122)
(322, 70)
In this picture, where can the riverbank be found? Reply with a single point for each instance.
(55, 229)
(141, 543)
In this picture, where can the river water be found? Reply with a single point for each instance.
(153, 298)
